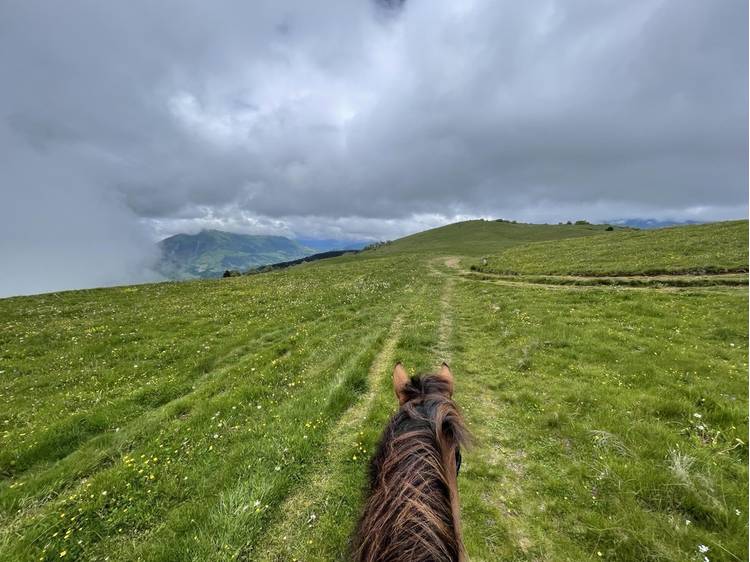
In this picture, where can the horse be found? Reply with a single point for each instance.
(412, 511)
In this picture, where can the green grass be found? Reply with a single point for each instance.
(209, 253)
(609, 422)
(705, 248)
(233, 419)
(726, 280)
(481, 237)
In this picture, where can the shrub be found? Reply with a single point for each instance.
(376, 245)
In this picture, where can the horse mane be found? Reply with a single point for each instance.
(411, 512)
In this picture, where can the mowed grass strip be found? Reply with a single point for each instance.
(608, 424)
(694, 249)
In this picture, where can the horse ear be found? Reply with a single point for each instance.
(445, 373)
(400, 380)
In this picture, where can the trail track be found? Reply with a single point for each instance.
(445, 330)
(312, 497)
(299, 510)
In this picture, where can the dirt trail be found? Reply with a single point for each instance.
(287, 535)
(452, 262)
(489, 441)
(381, 364)
(445, 329)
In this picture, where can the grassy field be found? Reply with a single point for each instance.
(233, 419)
(705, 248)
(482, 237)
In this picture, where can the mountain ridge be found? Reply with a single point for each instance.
(210, 252)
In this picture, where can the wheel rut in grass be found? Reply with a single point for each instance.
(491, 454)
(445, 328)
(380, 364)
(288, 533)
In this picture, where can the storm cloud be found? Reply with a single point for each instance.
(122, 122)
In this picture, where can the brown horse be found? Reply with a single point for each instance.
(411, 513)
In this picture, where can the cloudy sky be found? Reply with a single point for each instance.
(123, 122)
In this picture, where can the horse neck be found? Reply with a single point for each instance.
(412, 512)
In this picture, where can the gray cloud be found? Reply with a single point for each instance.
(125, 121)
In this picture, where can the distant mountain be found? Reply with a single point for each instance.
(328, 244)
(211, 252)
(650, 223)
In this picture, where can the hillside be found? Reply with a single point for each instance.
(210, 252)
(705, 248)
(234, 418)
(480, 237)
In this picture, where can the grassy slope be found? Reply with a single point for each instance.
(233, 419)
(478, 237)
(609, 422)
(716, 247)
(211, 252)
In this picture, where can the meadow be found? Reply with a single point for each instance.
(233, 419)
(694, 249)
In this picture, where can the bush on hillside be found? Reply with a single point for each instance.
(376, 245)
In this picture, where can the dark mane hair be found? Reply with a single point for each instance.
(412, 509)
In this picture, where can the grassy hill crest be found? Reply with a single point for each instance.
(720, 247)
(481, 237)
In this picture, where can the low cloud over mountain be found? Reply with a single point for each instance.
(124, 122)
